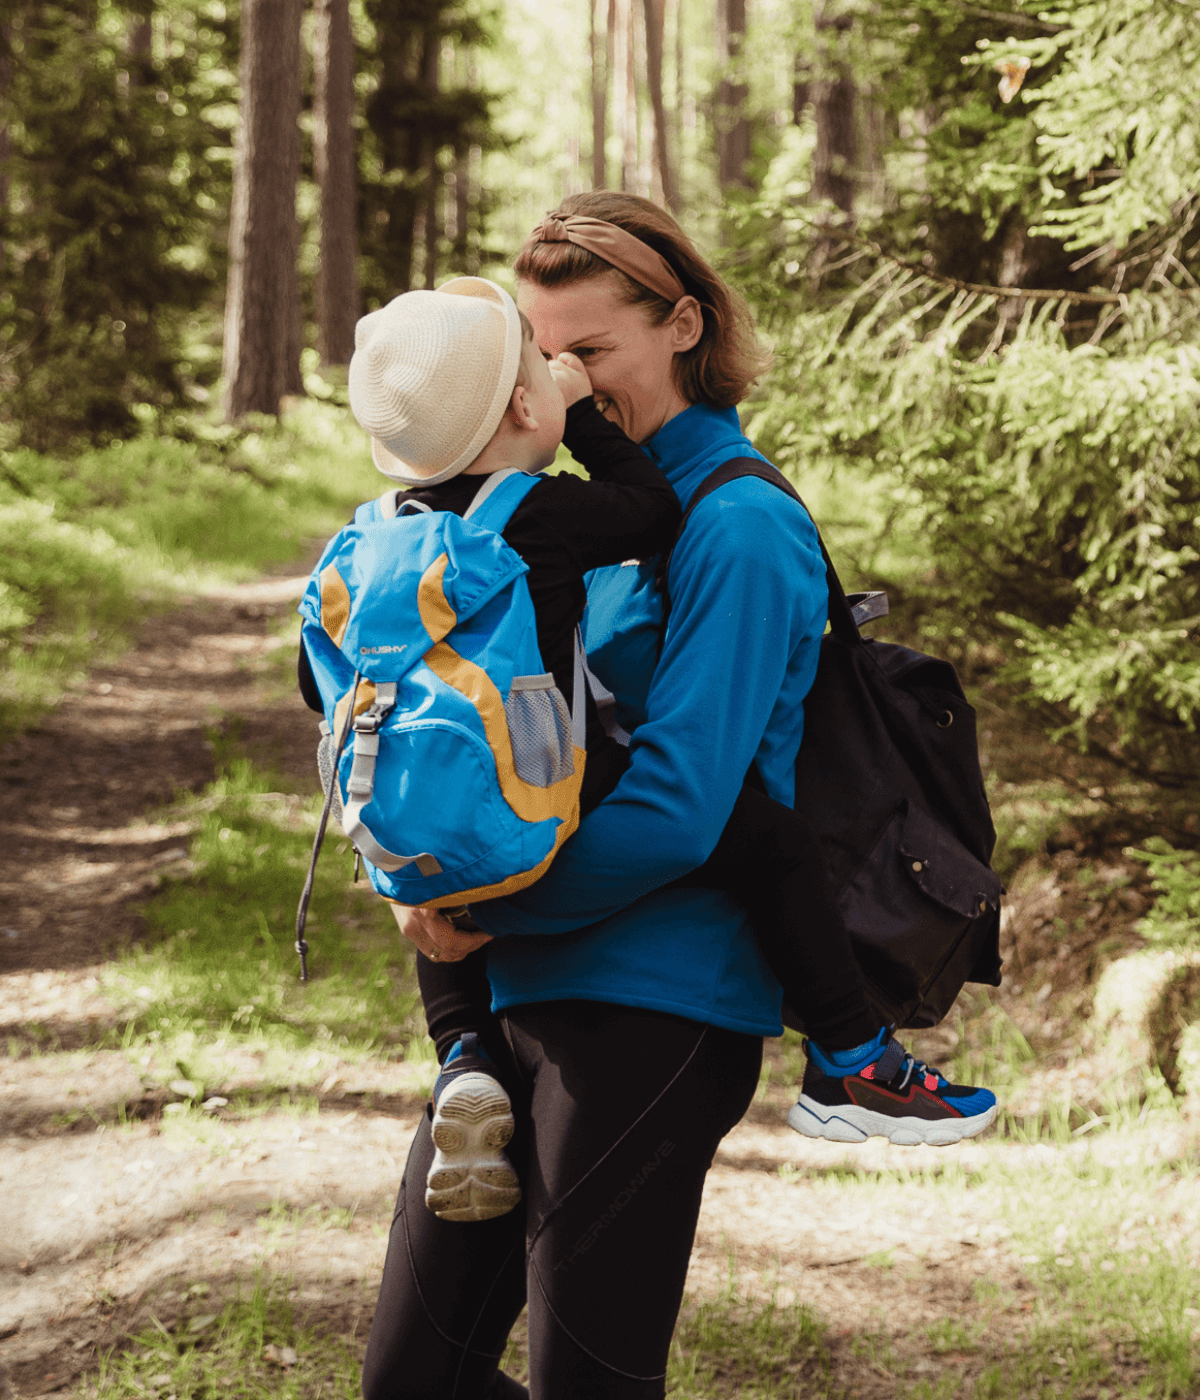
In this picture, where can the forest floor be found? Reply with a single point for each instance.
(165, 1237)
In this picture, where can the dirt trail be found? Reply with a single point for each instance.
(111, 1209)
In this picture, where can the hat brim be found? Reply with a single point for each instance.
(406, 473)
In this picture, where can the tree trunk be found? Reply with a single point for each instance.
(656, 16)
(801, 88)
(626, 94)
(141, 49)
(733, 126)
(263, 300)
(334, 165)
(601, 64)
(833, 98)
(677, 105)
(5, 139)
(433, 174)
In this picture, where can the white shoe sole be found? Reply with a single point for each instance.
(470, 1177)
(849, 1123)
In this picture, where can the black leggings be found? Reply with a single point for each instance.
(619, 1112)
(770, 859)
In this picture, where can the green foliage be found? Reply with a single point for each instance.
(1116, 114)
(117, 162)
(221, 961)
(422, 125)
(1174, 921)
(733, 1346)
(64, 590)
(252, 1346)
(87, 542)
(1054, 486)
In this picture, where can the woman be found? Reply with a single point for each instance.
(632, 1013)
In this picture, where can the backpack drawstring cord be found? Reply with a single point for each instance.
(306, 893)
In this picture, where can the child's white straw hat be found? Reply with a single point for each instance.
(431, 376)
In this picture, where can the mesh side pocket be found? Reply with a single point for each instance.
(325, 751)
(539, 726)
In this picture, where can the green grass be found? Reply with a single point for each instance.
(218, 978)
(253, 1345)
(728, 1346)
(87, 543)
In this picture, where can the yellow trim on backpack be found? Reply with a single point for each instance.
(335, 604)
(437, 616)
(514, 883)
(530, 803)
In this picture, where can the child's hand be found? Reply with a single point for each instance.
(568, 373)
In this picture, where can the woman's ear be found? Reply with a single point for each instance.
(686, 324)
(520, 411)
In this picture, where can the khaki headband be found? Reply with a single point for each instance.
(613, 245)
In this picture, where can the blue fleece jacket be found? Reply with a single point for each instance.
(749, 605)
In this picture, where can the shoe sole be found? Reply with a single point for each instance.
(470, 1178)
(849, 1123)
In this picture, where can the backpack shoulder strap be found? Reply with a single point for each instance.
(845, 613)
(498, 498)
(502, 492)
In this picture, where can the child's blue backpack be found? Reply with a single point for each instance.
(447, 747)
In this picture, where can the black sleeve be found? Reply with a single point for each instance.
(627, 510)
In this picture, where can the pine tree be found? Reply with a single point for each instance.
(334, 164)
(262, 309)
(116, 183)
(421, 122)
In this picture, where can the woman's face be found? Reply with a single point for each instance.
(629, 360)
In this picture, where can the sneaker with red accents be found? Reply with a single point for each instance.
(889, 1093)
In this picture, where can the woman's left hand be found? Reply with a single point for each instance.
(434, 936)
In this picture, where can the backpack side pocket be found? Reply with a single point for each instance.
(539, 727)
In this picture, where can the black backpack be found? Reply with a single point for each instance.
(888, 774)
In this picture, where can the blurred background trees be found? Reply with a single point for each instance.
(970, 230)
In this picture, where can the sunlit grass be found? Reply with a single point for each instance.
(253, 1345)
(88, 543)
(217, 983)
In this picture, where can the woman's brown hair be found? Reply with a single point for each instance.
(727, 358)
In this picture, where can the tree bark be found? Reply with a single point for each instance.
(626, 95)
(433, 174)
(334, 159)
(733, 125)
(262, 341)
(5, 139)
(656, 16)
(600, 69)
(801, 88)
(833, 98)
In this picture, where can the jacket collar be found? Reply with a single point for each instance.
(696, 442)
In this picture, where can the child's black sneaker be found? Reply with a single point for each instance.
(470, 1177)
(886, 1092)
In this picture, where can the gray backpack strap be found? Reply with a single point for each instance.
(390, 504)
(488, 487)
(361, 786)
(606, 701)
(579, 695)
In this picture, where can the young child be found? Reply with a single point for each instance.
(425, 353)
